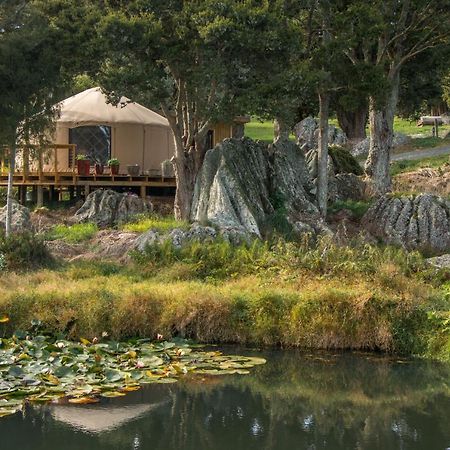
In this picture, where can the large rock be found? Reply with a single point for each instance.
(109, 208)
(177, 236)
(344, 182)
(20, 220)
(440, 262)
(419, 222)
(242, 183)
(362, 147)
(307, 132)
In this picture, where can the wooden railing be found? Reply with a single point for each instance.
(50, 152)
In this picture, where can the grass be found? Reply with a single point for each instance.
(73, 234)
(435, 162)
(289, 294)
(264, 131)
(358, 208)
(155, 222)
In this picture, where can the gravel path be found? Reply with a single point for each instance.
(421, 154)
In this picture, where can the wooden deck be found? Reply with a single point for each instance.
(57, 181)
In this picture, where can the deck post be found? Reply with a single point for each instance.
(22, 194)
(143, 191)
(87, 190)
(40, 197)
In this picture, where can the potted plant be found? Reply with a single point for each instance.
(83, 165)
(114, 165)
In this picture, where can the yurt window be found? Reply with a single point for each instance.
(93, 141)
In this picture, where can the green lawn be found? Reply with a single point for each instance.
(264, 130)
(410, 166)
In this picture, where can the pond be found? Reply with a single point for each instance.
(295, 401)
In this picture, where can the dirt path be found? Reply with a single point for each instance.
(421, 154)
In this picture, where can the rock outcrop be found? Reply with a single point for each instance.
(242, 183)
(362, 147)
(20, 220)
(307, 132)
(177, 236)
(344, 182)
(419, 222)
(440, 262)
(109, 208)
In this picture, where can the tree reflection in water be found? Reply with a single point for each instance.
(295, 401)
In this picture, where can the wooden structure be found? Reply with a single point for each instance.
(56, 180)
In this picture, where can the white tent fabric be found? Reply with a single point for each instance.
(90, 108)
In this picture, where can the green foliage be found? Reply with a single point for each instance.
(113, 162)
(344, 161)
(146, 222)
(74, 234)
(358, 208)
(24, 251)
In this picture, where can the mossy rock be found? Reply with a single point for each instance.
(344, 161)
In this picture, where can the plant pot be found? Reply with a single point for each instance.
(99, 169)
(134, 170)
(83, 167)
(114, 169)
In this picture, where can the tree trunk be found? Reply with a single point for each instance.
(10, 194)
(381, 126)
(187, 165)
(280, 129)
(322, 157)
(353, 123)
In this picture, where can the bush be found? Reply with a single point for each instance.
(24, 251)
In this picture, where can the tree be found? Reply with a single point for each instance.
(28, 72)
(196, 61)
(39, 52)
(386, 35)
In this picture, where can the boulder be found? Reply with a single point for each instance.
(346, 186)
(108, 208)
(419, 222)
(307, 132)
(177, 236)
(440, 262)
(344, 182)
(242, 183)
(20, 220)
(362, 147)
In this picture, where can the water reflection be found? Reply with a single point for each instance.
(296, 401)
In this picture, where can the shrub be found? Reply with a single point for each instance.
(24, 251)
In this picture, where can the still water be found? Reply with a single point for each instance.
(296, 401)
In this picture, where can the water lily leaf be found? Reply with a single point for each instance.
(64, 372)
(166, 380)
(85, 341)
(16, 372)
(4, 319)
(83, 400)
(112, 394)
(130, 388)
(113, 375)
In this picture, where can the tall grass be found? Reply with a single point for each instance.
(284, 293)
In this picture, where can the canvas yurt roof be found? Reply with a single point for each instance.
(90, 108)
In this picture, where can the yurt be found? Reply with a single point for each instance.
(129, 132)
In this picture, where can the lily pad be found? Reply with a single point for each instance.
(45, 369)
